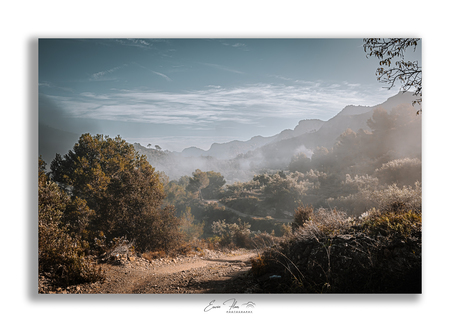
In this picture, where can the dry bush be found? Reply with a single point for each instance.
(379, 252)
(302, 215)
(259, 265)
(62, 257)
(264, 240)
(384, 199)
(404, 171)
(325, 223)
(394, 197)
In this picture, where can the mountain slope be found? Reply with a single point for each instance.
(232, 149)
(279, 153)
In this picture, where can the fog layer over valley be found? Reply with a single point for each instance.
(242, 160)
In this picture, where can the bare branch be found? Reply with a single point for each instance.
(408, 73)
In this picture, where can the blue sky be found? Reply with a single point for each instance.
(192, 92)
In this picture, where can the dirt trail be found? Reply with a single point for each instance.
(214, 272)
(202, 263)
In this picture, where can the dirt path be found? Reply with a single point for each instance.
(214, 272)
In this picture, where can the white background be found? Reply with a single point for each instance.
(24, 22)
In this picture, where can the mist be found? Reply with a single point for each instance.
(345, 136)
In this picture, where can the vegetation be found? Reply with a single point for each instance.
(347, 176)
(341, 220)
(61, 253)
(379, 252)
(122, 190)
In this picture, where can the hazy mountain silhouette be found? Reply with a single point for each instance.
(232, 149)
(353, 117)
(308, 134)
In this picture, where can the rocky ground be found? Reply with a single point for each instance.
(204, 272)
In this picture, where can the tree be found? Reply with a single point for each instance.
(119, 185)
(61, 255)
(192, 231)
(216, 181)
(300, 163)
(199, 181)
(408, 73)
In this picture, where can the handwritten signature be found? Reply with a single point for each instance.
(232, 306)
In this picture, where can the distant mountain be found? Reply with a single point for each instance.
(232, 149)
(354, 117)
(307, 134)
(304, 127)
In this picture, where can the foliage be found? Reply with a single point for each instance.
(191, 230)
(165, 232)
(199, 181)
(383, 199)
(232, 234)
(60, 255)
(300, 163)
(325, 223)
(395, 223)
(216, 182)
(302, 215)
(404, 171)
(379, 253)
(120, 187)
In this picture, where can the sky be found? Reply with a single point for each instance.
(178, 93)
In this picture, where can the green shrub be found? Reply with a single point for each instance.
(61, 256)
(233, 234)
(392, 224)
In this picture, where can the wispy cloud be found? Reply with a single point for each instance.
(162, 75)
(229, 43)
(249, 104)
(45, 84)
(221, 67)
(132, 42)
(154, 72)
(102, 75)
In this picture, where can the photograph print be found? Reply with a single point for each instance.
(230, 166)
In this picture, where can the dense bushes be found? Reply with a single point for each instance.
(404, 171)
(380, 252)
(239, 235)
(61, 256)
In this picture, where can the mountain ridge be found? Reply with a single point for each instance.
(351, 116)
